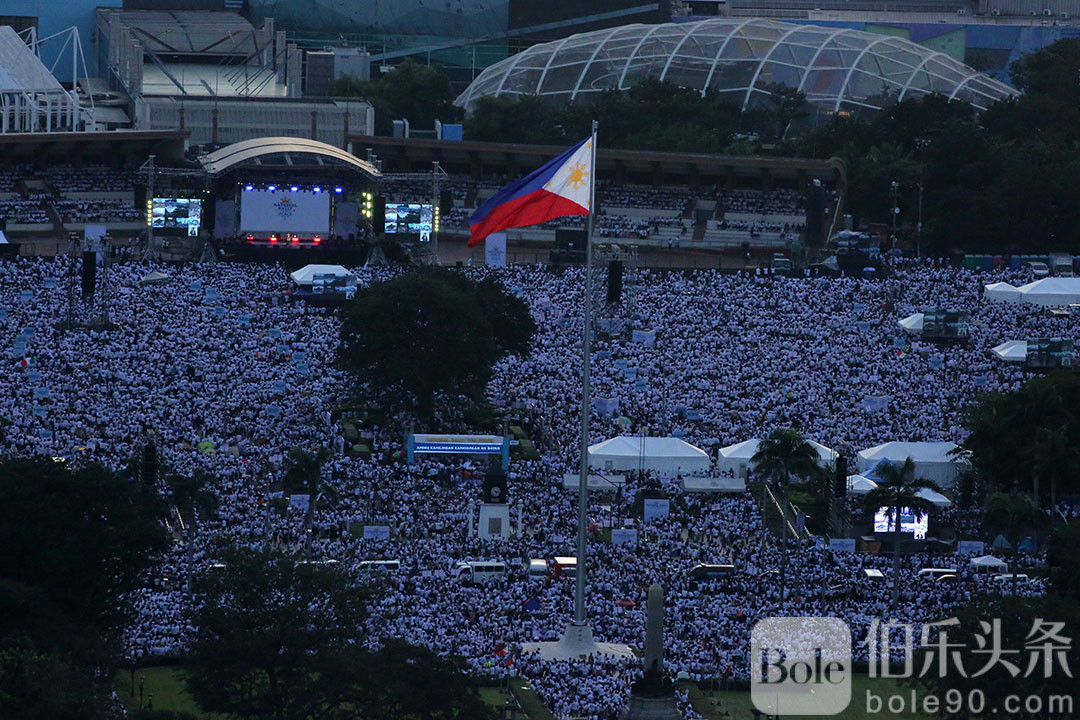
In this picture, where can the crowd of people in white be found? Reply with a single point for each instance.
(200, 356)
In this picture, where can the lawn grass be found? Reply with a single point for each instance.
(738, 703)
(166, 685)
(495, 697)
(530, 702)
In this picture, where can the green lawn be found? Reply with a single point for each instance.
(530, 702)
(740, 707)
(165, 685)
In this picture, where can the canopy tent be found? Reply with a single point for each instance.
(859, 485)
(988, 563)
(306, 275)
(736, 458)
(1001, 292)
(153, 277)
(1051, 291)
(631, 452)
(932, 459)
(1011, 351)
(912, 323)
(697, 483)
(595, 483)
(935, 497)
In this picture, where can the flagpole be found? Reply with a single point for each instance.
(586, 403)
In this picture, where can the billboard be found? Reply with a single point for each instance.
(183, 216)
(410, 219)
(910, 522)
(940, 323)
(301, 212)
(1048, 353)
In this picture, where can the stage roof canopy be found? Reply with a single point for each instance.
(229, 156)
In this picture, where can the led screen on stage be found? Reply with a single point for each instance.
(910, 522)
(302, 212)
(409, 218)
(183, 215)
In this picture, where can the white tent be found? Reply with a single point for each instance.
(736, 458)
(859, 485)
(1011, 351)
(935, 497)
(306, 275)
(598, 483)
(630, 452)
(1001, 292)
(932, 459)
(153, 277)
(1051, 291)
(988, 563)
(912, 323)
(697, 483)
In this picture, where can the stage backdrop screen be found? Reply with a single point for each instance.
(409, 219)
(910, 522)
(182, 216)
(303, 212)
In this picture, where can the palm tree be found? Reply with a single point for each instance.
(303, 472)
(783, 455)
(899, 488)
(1011, 516)
(192, 495)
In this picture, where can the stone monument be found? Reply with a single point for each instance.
(653, 697)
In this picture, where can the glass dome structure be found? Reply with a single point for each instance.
(836, 68)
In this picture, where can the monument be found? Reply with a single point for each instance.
(653, 697)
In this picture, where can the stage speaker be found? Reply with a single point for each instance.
(614, 281)
(446, 202)
(148, 467)
(378, 215)
(840, 485)
(89, 273)
(495, 485)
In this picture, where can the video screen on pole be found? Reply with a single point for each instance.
(409, 219)
(285, 211)
(1049, 353)
(910, 522)
(182, 216)
(941, 323)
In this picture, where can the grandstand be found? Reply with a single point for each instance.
(31, 99)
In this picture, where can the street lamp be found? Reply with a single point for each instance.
(894, 188)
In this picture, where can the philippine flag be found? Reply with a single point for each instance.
(562, 187)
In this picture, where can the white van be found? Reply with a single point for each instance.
(704, 571)
(480, 571)
(380, 565)
(537, 569)
(935, 573)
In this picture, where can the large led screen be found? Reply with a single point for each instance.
(302, 212)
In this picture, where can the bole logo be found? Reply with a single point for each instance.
(285, 207)
(800, 666)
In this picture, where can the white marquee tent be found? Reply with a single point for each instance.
(859, 485)
(935, 497)
(988, 563)
(736, 458)
(1051, 291)
(912, 323)
(661, 454)
(1001, 292)
(1011, 351)
(932, 459)
(306, 275)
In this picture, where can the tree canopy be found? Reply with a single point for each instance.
(431, 333)
(419, 93)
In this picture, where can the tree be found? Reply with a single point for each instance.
(192, 495)
(431, 333)
(303, 473)
(1023, 628)
(417, 92)
(282, 640)
(1011, 516)
(784, 455)
(898, 490)
(1029, 440)
(75, 544)
(1061, 551)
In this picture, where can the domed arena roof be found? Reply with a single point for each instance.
(836, 68)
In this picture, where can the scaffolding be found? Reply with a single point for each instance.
(31, 98)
